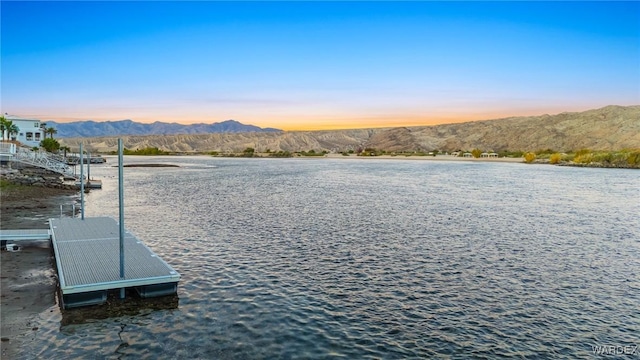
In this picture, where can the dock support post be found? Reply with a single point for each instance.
(121, 210)
(81, 184)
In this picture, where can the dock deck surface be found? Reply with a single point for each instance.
(88, 257)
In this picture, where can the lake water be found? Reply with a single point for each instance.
(369, 258)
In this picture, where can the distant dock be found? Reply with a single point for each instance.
(90, 184)
(87, 259)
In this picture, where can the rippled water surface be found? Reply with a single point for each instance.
(366, 258)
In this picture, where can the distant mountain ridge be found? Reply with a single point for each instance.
(608, 128)
(92, 128)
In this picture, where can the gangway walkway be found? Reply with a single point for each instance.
(38, 158)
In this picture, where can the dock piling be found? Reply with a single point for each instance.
(121, 210)
(81, 185)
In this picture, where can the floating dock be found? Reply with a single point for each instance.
(87, 253)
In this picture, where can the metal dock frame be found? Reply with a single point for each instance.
(87, 260)
(24, 235)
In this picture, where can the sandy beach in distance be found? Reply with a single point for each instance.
(428, 158)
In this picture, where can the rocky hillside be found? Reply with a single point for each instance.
(608, 128)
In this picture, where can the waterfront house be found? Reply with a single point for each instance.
(489, 155)
(30, 131)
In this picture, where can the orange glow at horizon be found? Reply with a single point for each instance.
(292, 122)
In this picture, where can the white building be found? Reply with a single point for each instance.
(489, 155)
(30, 131)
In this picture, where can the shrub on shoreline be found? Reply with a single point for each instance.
(626, 158)
(529, 157)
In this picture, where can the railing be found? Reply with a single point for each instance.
(73, 211)
(7, 148)
(38, 158)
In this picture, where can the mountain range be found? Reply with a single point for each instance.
(128, 127)
(608, 128)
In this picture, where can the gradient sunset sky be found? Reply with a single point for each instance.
(316, 65)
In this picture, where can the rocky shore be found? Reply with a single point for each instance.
(29, 196)
(30, 176)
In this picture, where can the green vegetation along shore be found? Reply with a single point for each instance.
(627, 158)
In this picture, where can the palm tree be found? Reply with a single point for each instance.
(3, 125)
(9, 127)
(51, 131)
(12, 129)
(65, 149)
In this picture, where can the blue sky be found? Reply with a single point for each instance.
(316, 65)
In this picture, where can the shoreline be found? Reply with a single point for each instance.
(30, 207)
(28, 285)
(439, 158)
(425, 158)
(28, 282)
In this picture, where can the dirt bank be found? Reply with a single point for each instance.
(27, 288)
(29, 207)
(28, 280)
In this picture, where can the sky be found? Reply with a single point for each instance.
(315, 65)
